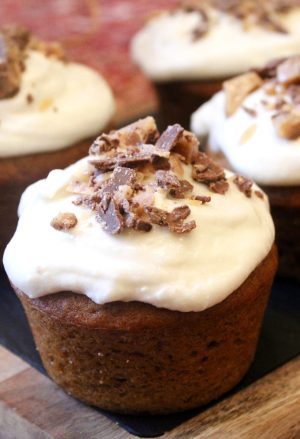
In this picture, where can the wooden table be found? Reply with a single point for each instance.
(33, 407)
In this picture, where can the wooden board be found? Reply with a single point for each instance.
(33, 407)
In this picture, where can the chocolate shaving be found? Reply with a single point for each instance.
(169, 137)
(183, 191)
(64, 221)
(174, 220)
(110, 218)
(244, 185)
(167, 180)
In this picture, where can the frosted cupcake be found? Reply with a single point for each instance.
(188, 52)
(49, 109)
(143, 268)
(254, 123)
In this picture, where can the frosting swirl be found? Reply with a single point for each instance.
(181, 45)
(72, 247)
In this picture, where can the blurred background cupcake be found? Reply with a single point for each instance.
(49, 110)
(189, 51)
(254, 126)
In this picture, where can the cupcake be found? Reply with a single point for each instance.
(254, 124)
(142, 268)
(188, 52)
(49, 110)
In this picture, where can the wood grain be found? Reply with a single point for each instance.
(33, 407)
(269, 408)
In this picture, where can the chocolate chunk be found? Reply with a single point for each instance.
(64, 221)
(237, 89)
(288, 72)
(244, 185)
(169, 137)
(174, 220)
(187, 146)
(207, 172)
(287, 124)
(121, 176)
(111, 218)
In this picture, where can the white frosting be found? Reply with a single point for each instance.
(71, 102)
(263, 155)
(188, 272)
(165, 50)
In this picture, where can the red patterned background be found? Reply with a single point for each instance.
(97, 33)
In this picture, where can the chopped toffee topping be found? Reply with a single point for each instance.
(237, 89)
(244, 185)
(125, 178)
(64, 221)
(279, 80)
(251, 13)
(14, 45)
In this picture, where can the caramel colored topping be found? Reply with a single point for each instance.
(246, 136)
(287, 124)
(64, 221)
(237, 89)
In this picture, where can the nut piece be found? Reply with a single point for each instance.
(288, 72)
(237, 89)
(64, 221)
(287, 124)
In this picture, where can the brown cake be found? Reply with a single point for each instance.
(135, 299)
(37, 85)
(189, 51)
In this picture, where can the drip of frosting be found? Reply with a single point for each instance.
(186, 272)
(166, 50)
(58, 104)
(250, 142)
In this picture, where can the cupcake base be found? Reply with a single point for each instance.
(136, 358)
(16, 173)
(179, 99)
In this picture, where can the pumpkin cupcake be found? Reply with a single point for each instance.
(254, 124)
(49, 109)
(144, 270)
(188, 52)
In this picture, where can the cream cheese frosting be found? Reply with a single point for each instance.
(251, 144)
(186, 272)
(165, 49)
(58, 104)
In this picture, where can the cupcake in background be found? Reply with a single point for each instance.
(254, 125)
(188, 52)
(144, 267)
(49, 110)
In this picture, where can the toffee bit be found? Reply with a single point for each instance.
(157, 216)
(287, 124)
(169, 137)
(64, 221)
(219, 187)
(202, 198)
(111, 218)
(259, 194)
(182, 191)
(250, 111)
(244, 185)
(167, 180)
(179, 213)
(104, 143)
(288, 72)
(237, 89)
(181, 227)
